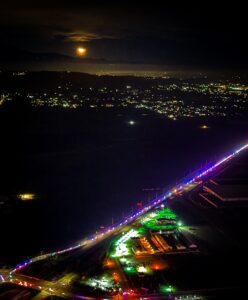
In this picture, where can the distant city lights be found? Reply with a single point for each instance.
(171, 100)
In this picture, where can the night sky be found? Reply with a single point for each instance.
(142, 32)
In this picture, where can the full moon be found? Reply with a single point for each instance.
(81, 51)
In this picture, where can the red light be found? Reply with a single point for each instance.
(158, 266)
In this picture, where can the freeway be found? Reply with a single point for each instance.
(54, 288)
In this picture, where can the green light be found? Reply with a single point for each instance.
(130, 269)
(167, 289)
(180, 223)
(166, 213)
(152, 220)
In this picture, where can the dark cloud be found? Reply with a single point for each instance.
(120, 29)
